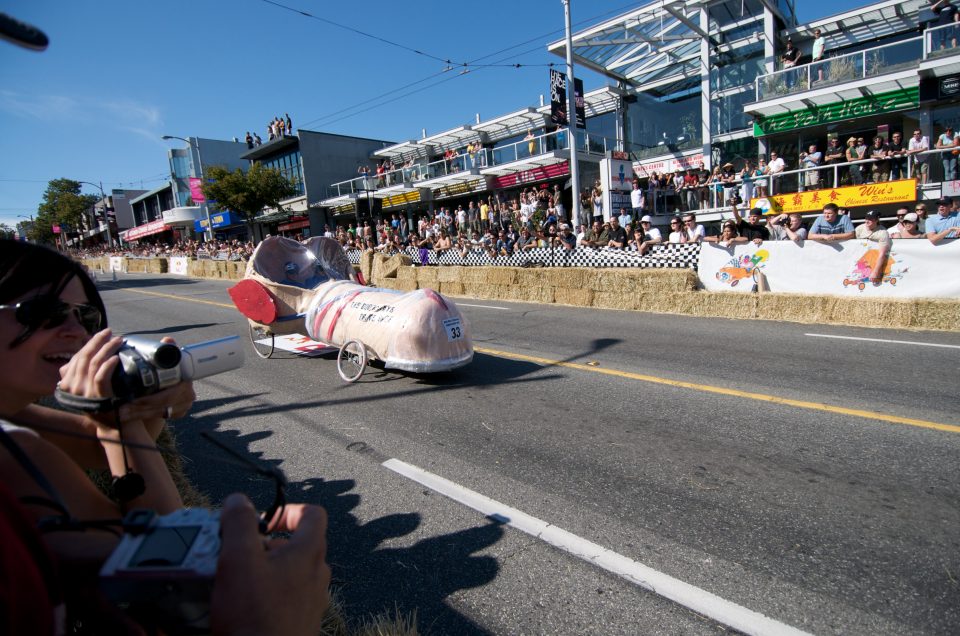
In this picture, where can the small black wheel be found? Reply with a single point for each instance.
(351, 360)
(262, 340)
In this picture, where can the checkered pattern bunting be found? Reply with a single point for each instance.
(660, 256)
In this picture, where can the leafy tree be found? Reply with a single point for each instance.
(62, 204)
(6, 231)
(246, 193)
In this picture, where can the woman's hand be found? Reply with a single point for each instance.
(89, 371)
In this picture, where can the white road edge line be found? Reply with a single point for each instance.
(483, 306)
(908, 342)
(691, 597)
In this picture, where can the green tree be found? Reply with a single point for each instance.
(6, 231)
(62, 204)
(246, 193)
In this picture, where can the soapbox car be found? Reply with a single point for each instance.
(291, 287)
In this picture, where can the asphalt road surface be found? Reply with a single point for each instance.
(605, 472)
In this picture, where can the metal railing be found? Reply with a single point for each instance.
(872, 62)
(714, 195)
(940, 41)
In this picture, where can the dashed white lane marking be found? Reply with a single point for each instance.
(906, 342)
(691, 597)
(459, 304)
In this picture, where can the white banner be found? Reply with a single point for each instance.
(116, 264)
(616, 179)
(178, 265)
(915, 268)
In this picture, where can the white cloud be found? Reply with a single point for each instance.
(126, 115)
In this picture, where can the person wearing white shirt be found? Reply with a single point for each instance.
(637, 200)
(692, 232)
(919, 143)
(774, 168)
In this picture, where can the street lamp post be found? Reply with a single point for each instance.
(572, 120)
(106, 219)
(206, 208)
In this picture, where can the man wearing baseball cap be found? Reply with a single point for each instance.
(646, 235)
(753, 229)
(946, 224)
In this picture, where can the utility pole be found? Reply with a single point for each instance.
(106, 208)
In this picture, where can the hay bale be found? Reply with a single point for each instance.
(403, 285)
(450, 274)
(451, 289)
(393, 264)
(499, 275)
(388, 283)
(408, 273)
(376, 273)
(612, 280)
(575, 297)
(195, 269)
(481, 290)
(366, 265)
(537, 294)
(723, 304)
(613, 300)
(937, 314)
(795, 307)
(427, 277)
(872, 312)
(565, 277)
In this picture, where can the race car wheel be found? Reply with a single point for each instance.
(351, 360)
(262, 340)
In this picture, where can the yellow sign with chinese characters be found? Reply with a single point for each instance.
(902, 191)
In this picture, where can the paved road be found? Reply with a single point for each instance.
(808, 479)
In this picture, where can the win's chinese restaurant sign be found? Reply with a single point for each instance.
(901, 191)
(902, 99)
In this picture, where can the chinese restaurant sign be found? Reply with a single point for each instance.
(839, 111)
(901, 191)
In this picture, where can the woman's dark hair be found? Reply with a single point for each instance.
(25, 267)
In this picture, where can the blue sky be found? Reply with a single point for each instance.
(119, 74)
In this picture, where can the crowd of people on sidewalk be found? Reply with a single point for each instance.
(233, 250)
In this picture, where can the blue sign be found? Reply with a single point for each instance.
(217, 220)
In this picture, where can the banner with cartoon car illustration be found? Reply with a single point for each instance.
(913, 269)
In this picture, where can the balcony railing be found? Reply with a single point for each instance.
(941, 41)
(873, 62)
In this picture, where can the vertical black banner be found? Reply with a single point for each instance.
(558, 97)
(579, 103)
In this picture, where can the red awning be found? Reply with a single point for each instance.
(153, 227)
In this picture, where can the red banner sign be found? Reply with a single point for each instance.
(531, 176)
(153, 227)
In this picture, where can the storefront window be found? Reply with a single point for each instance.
(657, 126)
(726, 113)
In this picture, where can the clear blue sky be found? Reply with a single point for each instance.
(120, 74)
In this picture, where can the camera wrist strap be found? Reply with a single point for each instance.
(85, 404)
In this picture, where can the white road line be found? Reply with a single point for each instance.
(908, 342)
(483, 306)
(694, 598)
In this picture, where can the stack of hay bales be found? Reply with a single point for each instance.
(670, 291)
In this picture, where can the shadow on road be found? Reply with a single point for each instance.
(372, 577)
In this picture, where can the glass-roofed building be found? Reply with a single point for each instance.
(704, 81)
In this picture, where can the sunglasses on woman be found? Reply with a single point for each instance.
(45, 312)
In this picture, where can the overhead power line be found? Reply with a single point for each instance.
(365, 105)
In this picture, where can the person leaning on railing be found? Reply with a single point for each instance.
(946, 141)
(831, 225)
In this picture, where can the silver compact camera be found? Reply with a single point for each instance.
(147, 366)
(164, 566)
